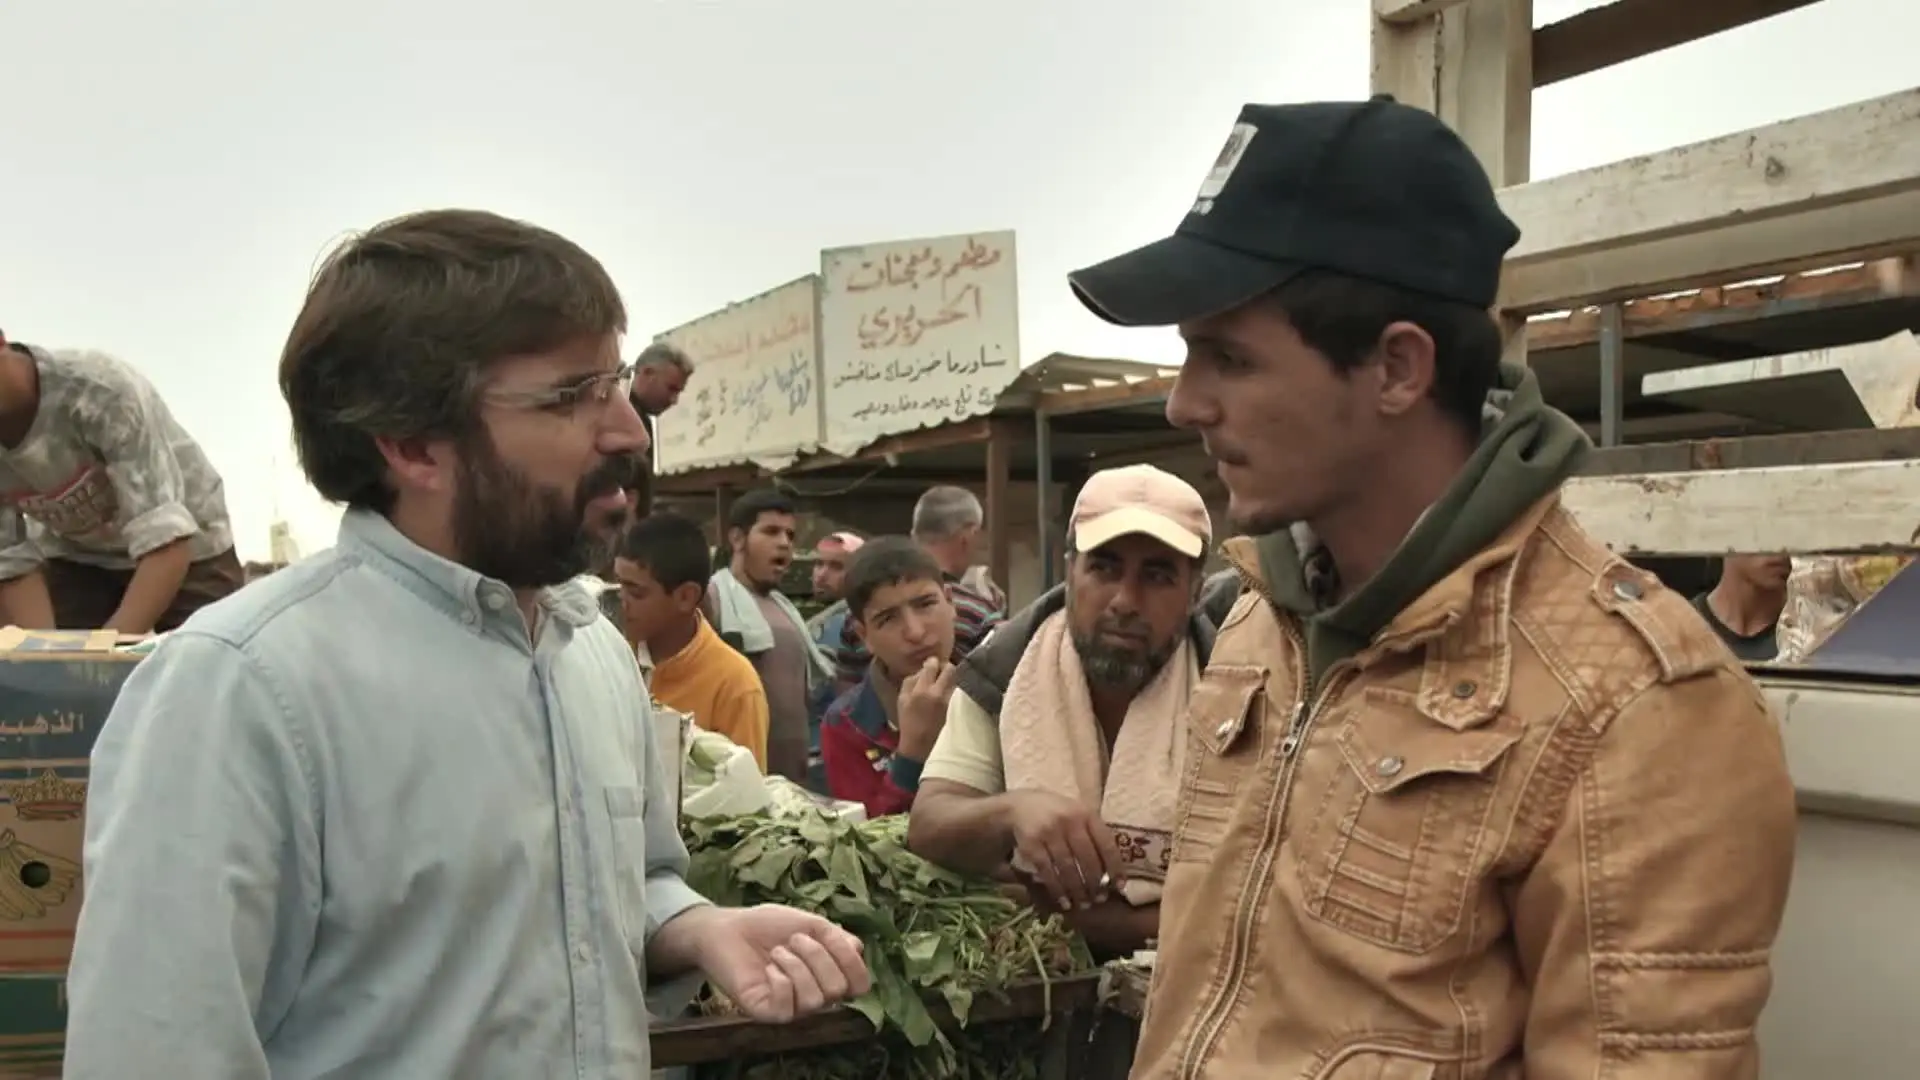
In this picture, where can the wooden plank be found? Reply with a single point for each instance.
(1719, 305)
(1408, 11)
(1756, 452)
(1629, 29)
(945, 437)
(1102, 398)
(1793, 509)
(1471, 65)
(1871, 384)
(1817, 188)
(998, 504)
(716, 1039)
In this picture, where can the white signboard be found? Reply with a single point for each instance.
(755, 390)
(916, 333)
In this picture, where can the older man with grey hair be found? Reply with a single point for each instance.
(660, 375)
(947, 522)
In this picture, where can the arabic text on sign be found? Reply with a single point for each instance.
(922, 267)
(62, 724)
(957, 405)
(903, 369)
(706, 349)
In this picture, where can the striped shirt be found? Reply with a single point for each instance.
(973, 616)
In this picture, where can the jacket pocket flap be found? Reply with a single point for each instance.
(1389, 744)
(1221, 709)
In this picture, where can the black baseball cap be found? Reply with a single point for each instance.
(1373, 189)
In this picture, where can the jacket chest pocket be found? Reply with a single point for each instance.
(627, 814)
(1225, 729)
(1395, 833)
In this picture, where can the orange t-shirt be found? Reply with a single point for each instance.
(719, 688)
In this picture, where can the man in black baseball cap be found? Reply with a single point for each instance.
(1438, 810)
(1374, 189)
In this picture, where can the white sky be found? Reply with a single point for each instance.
(171, 171)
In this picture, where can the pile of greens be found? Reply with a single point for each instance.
(927, 931)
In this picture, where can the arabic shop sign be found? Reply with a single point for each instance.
(755, 393)
(916, 333)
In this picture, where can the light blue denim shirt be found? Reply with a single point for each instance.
(352, 823)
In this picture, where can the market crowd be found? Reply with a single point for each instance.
(1427, 783)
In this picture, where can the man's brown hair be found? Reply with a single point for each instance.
(402, 322)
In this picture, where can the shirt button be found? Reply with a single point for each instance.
(469, 618)
(493, 602)
(581, 954)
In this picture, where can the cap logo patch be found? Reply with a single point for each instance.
(1236, 148)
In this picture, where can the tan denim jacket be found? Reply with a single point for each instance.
(1541, 827)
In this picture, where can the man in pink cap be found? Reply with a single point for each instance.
(830, 557)
(1059, 761)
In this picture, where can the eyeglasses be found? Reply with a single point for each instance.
(598, 390)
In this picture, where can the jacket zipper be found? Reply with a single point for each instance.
(1306, 709)
(1206, 1032)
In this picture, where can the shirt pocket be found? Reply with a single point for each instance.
(1224, 731)
(627, 818)
(1396, 835)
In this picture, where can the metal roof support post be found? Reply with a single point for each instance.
(1043, 484)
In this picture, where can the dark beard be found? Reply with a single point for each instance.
(526, 536)
(1115, 668)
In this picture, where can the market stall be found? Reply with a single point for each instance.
(968, 981)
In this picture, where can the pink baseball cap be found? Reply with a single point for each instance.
(845, 541)
(1144, 500)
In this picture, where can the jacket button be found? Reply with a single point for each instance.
(1464, 689)
(1627, 590)
(1389, 766)
(1225, 729)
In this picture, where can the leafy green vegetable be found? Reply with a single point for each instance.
(926, 930)
(704, 758)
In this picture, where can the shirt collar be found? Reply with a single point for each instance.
(870, 712)
(696, 645)
(456, 590)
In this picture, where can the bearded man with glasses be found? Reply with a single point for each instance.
(395, 812)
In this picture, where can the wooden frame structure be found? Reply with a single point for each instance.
(1837, 186)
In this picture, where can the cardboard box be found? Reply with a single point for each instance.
(56, 688)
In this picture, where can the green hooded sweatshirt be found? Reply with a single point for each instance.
(1526, 449)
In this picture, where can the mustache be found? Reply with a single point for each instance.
(1132, 626)
(1223, 453)
(611, 475)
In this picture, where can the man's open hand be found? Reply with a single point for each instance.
(776, 963)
